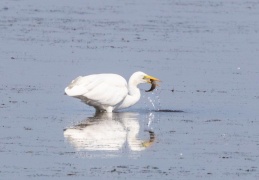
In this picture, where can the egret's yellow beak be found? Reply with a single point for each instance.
(149, 78)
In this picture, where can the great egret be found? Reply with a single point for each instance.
(108, 92)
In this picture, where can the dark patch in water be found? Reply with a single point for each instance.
(213, 120)
(71, 174)
(201, 91)
(168, 110)
(225, 157)
(186, 120)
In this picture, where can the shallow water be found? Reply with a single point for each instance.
(201, 123)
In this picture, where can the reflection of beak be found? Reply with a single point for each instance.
(149, 78)
(151, 141)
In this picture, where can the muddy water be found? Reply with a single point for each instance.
(201, 123)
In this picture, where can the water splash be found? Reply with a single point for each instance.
(151, 117)
(158, 100)
(152, 102)
(153, 99)
(151, 120)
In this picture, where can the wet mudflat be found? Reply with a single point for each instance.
(201, 123)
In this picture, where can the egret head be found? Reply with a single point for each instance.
(140, 77)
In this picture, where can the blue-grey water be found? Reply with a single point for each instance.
(205, 52)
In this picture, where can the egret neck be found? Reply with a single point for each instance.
(133, 95)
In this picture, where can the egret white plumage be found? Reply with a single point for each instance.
(108, 92)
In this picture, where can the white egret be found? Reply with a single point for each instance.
(108, 92)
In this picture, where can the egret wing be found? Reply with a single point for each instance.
(99, 89)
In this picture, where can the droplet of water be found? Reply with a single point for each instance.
(181, 155)
(158, 101)
(152, 102)
(150, 119)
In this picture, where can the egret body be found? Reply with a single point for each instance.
(108, 92)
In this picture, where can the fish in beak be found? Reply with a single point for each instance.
(152, 80)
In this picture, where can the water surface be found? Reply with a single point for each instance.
(201, 123)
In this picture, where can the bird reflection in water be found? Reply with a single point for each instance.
(109, 132)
